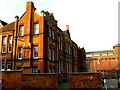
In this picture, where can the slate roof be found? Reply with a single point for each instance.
(3, 23)
(117, 45)
(8, 27)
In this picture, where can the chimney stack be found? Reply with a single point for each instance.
(67, 27)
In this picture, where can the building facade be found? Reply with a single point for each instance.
(34, 43)
(107, 61)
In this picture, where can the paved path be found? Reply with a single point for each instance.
(64, 86)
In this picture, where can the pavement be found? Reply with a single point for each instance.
(64, 86)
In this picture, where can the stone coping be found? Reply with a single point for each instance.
(85, 73)
(10, 70)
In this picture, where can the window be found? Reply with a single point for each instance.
(21, 30)
(4, 45)
(35, 70)
(53, 34)
(3, 65)
(9, 43)
(106, 58)
(50, 32)
(52, 70)
(19, 68)
(19, 53)
(50, 54)
(36, 28)
(8, 65)
(59, 43)
(35, 52)
(53, 54)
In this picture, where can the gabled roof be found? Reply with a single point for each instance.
(67, 33)
(3, 23)
(117, 45)
(8, 27)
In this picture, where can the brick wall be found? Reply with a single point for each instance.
(15, 79)
(40, 81)
(12, 79)
(85, 80)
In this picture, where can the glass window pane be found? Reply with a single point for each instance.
(19, 53)
(21, 30)
(4, 44)
(36, 28)
(35, 54)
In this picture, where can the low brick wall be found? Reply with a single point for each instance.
(85, 80)
(40, 81)
(13, 79)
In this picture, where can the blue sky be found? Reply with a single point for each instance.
(93, 24)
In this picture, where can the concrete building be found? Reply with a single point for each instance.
(34, 43)
(107, 61)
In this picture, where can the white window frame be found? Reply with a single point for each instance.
(19, 52)
(2, 65)
(35, 70)
(21, 33)
(35, 47)
(10, 43)
(50, 54)
(8, 65)
(36, 28)
(4, 44)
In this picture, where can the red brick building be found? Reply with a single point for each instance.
(107, 61)
(34, 43)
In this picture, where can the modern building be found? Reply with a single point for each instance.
(34, 43)
(107, 61)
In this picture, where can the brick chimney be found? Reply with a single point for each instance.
(67, 27)
(29, 21)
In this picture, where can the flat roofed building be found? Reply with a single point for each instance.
(106, 61)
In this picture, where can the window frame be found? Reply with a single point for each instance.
(19, 52)
(10, 43)
(35, 70)
(21, 31)
(35, 57)
(8, 65)
(36, 28)
(4, 42)
(2, 65)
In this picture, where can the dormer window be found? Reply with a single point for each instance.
(21, 30)
(36, 28)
